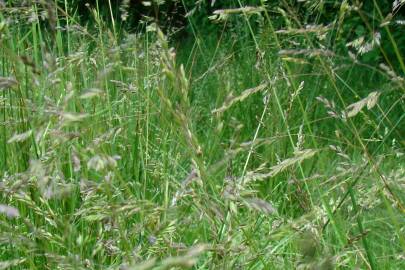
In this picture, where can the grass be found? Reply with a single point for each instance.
(229, 152)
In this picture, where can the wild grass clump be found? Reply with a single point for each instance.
(276, 143)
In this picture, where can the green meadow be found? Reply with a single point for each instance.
(254, 135)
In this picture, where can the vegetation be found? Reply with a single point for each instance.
(256, 135)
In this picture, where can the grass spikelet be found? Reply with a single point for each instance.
(7, 82)
(231, 100)
(370, 101)
(9, 211)
(281, 166)
(223, 14)
(20, 137)
(187, 260)
(261, 205)
(11, 263)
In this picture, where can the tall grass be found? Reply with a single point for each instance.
(267, 146)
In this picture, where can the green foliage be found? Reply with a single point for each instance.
(269, 137)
